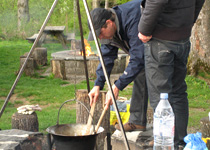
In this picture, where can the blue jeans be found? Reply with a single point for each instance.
(165, 65)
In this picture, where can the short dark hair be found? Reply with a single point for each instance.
(99, 17)
(112, 18)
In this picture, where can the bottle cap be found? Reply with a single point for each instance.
(164, 95)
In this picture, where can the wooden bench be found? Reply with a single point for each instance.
(53, 31)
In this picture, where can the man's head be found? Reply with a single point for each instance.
(103, 22)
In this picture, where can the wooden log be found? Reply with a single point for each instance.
(76, 45)
(29, 69)
(205, 129)
(25, 122)
(82, 114)
(40, 55)
(58, 68)
(92, 66)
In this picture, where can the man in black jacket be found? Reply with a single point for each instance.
(117, 28)
(165, 27)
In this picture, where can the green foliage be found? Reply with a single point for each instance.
(64, 14)
(8, 16)
(122, 1)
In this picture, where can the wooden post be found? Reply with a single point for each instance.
(205, 129)
(25, 122)
(82, 114)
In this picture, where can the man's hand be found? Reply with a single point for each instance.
(94, 94)
(109, 96)
(144, 38)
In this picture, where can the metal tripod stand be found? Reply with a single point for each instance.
(82, 40)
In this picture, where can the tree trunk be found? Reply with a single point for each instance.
(95, 4)
(25, 122)
(205, 129)
(23, 13)
(106, 4)
(200, 53)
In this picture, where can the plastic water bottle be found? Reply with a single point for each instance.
(163, 125)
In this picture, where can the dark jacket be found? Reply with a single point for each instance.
(169, 19)
(128, 16)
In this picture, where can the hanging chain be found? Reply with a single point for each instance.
(75, 72)
(74, 18)
(75, 61)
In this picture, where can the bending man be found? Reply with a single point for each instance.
(118, 28)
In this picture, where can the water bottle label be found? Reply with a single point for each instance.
(168, 130)
(161, 128)
(157, 126)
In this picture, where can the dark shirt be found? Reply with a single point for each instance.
(126, 38)
(169, 20)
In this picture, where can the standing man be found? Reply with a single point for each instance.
(118, 28)
(165, 28)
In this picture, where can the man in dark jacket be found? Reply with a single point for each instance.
(165, 27)
(118, 28)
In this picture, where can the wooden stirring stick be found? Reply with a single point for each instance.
(100, 120)
(90, 118)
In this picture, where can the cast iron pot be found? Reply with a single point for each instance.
(71, 136)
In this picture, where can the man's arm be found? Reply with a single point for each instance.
(109, 54)
(150, 16)
(136, 52)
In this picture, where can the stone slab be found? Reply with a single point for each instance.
(138, 140)
(15, 139)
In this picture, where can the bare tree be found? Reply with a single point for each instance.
(200, 51)
(106, 4)
(23, 13)
(95, 4)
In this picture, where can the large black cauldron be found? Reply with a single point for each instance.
(71, 137)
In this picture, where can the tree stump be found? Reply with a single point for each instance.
(76, 45)
(29, 69)
(25, 122)
(58, 68)
(40, 55)
(82, 114)
(205, 129)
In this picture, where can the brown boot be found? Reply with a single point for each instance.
(151, 143)
(128, 127)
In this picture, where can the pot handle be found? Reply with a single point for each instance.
(82, 105)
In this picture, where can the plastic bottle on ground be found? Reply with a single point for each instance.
(163, 125)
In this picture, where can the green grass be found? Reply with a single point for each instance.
(198, 93)
(199, 100)
(50, 92)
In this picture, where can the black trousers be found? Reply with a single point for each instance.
(165, 65)
(139, 100)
